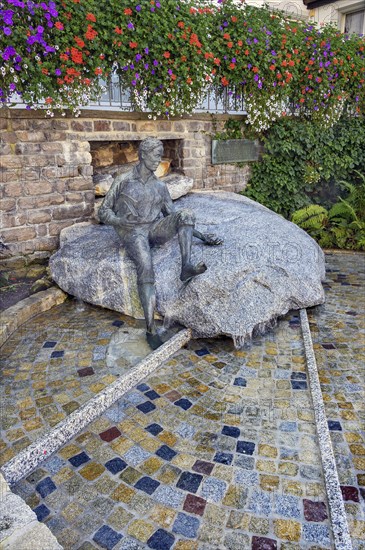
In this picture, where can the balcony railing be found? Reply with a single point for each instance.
(116, 98)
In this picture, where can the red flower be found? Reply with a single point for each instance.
(234, 19)
(59, 25)
(166, 55)
(188, 80)
(183, 58)
(230, 44)
(118, 30)
(79, 42)
(128, 11)
(76, 55)
(240, 43)
(91, 17)
(64, 57)
(181, 24)
(255, 69)
(302, 100)
(98, 70)
(44, 70)
(232, 66)
(224, 81)
(90, 33)
(272, 67)
(226, 36)
(133, 45)
(246, 52)
(217, 61)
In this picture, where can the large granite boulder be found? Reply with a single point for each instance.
(265, 267)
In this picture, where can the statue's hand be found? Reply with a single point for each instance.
(211, 240)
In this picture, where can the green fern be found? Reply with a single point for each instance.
(342, 210)
(311, 218)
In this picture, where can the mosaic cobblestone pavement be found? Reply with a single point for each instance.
(338, 334)
(51, 366)
(217, 451)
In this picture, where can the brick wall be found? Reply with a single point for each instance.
(46, 169)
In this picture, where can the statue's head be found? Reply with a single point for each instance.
(148, 145)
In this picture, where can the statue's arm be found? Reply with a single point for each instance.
(168, 206)
(106, 211)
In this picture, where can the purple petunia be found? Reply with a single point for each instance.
(138, 7)
(7, 31)
(58, 72)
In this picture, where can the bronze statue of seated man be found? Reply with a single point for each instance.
(139, 207)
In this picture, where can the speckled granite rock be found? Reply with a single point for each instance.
(265, 267)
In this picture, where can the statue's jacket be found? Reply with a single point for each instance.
(130, 202)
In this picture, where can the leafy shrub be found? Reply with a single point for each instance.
(303, 163)
(343, 225)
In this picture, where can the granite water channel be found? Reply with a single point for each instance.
(212, 448)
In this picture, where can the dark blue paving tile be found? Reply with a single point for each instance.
(334, 425)
(239, 381)
(143, 387)
(299, 385)
(49, 344)
(41, 512)
(45, 487)
(79, 459)
(146, 407)
(118, 323)
(223, 458)
(328, 345)
(183, 403)
(56, 354)
(161, 540)
(185, 525)
(232, 431)
(147, 484)
(202, 352)
(166, 452)
(298, 376)
(245, 447)
(85, 371)
(154, 429)
(152, 394)
(115, 465)
(106, 537)
(189, 482)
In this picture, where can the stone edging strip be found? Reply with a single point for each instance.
(31, 457)
(339, 523)
(16, 315)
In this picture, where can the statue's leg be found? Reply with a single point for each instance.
(139, 250)
(181, 223)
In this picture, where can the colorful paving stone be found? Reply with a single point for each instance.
(338, 334)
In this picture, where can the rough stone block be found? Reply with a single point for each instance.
(120, 126)
(13, 189)
(38, 188)
(6, 205)
(102, 125)
(81, 126)
(41, 201)
(18, 234)
(80, 184)
(25, 135)
(39, 216)
(10, 161)
(27, 148)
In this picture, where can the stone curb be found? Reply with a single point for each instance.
(30, 458)
(20, 528)
(16, 315)
(340, 529)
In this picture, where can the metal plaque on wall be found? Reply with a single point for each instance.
(234, 150)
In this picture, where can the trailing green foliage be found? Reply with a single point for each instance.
(343, 225)
(304, 163)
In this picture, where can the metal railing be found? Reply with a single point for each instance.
(117, 98)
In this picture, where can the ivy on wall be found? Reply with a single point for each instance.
(303, 163)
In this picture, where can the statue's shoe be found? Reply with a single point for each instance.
(190, 271)
(154, 340)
